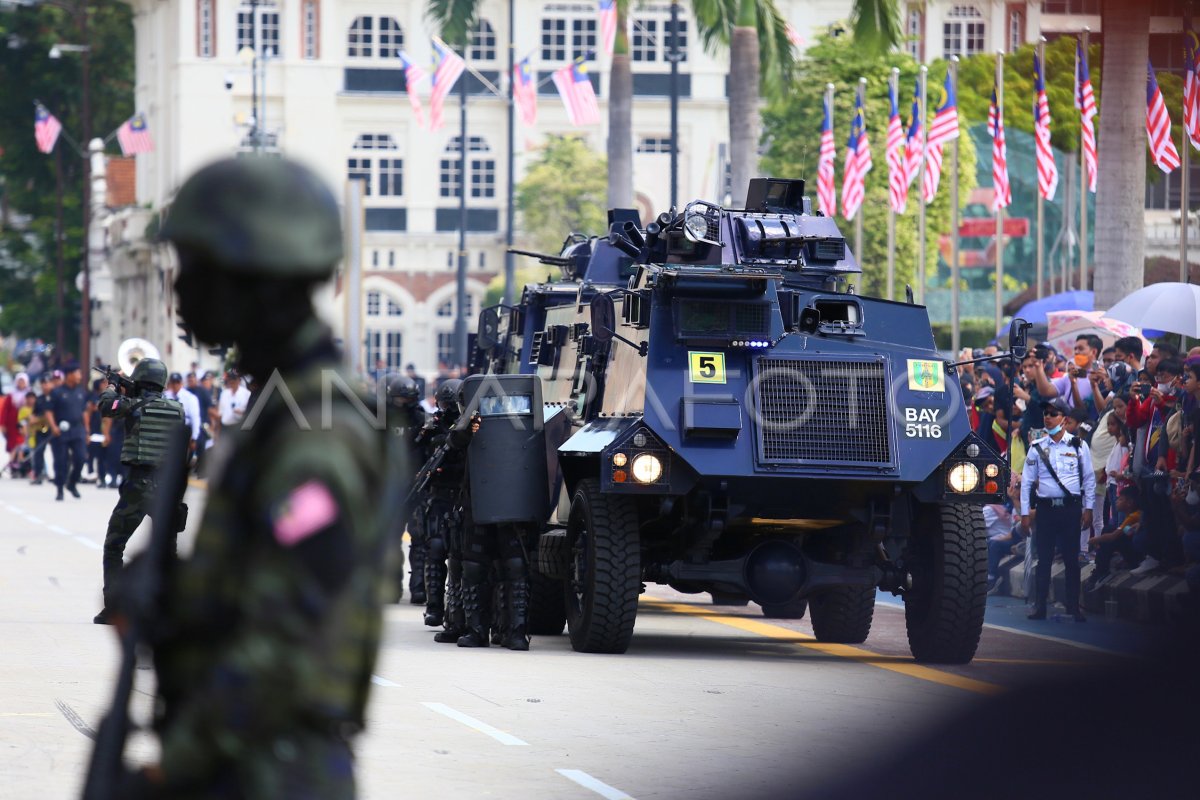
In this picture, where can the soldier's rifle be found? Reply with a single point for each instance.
(139, 601)
(116, 378)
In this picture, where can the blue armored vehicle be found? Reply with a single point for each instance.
(724, 414)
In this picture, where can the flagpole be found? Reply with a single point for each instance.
(891, 248)
(999, 206)
(460, 293)
(955, 334)
(1041, 202)
(921, 190)
(1183, 184)
(509, 258)
(858, 215)
(1083, 196)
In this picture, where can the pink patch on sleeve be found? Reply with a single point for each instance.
(115, 403)
(307, 510)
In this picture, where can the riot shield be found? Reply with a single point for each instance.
(506, 460)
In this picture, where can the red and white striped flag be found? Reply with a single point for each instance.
(134, 136)
(857, 164)
(578, 95)
(897, 183)
(1047, 170)
(826, 192)
(1085, 101)
(46, 129)
(412, 76)
(1003, 197)
(943, 128)
(1191, 82)
(912, 144)
(608, 25)
(525, 92)
(1158, 126)
(448, 66)
(793, 36)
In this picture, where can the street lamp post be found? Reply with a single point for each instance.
(674, 56)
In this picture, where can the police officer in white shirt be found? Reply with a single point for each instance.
(191, 406)
(1060, 466)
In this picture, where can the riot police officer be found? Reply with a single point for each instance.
(443, 518)
(271, 627)
(150, 420)
(406, 419)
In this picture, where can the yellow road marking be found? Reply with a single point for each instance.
(198, 483)
(1032, 662)
(890, 663)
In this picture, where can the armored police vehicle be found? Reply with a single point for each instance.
(724, 414)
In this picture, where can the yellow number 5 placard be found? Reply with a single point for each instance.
(706, 367)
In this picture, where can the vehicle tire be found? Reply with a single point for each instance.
(793, 609)
(842, 614)
(943, 610)
(547, 612)
(605, 581)
(724, 599)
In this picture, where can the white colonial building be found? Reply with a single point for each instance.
(333, 95)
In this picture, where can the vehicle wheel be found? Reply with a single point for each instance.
(793, 609)
(547, 612)
(943, 610)
(605, 581)
(843, 614)
(724, 599)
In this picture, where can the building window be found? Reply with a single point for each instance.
(483, 42)
(206, 36)
(359, 169)
(309, 34)
(391, 177)
(445, 347)
(448, 180)
(569, 32)
(267, 23)
(963, 33)
(385, 346)
(394, 309)
(383, 176)
(915, 31)
(391, 258)
(1016, 31)
(373, 303)
(446, 309)
(654, 144)
(651, 41)
(645, 40)
(483, 259)
(483, 177)
(554, 39)
(360, 40)
(391, 38)
(481, 170)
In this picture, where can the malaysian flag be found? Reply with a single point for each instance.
(412, 76)
(1191, 83)
(912, 144)
(943, 128)
(826, 192)
(134, 136)
(1047, 170)
(608, 25)
(575, 89)
(897, 185)
(793, 36)
(525, 92)
(447, 67)
(46, 129)
(1085, 101)
(1158, 126)
(1003, 197)
(858, 163)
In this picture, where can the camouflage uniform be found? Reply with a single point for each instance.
(270, 629)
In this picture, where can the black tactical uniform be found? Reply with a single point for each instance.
(406, 420)
(443, 521)
(150, 421)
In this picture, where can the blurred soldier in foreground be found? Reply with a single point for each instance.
(269, 631)
(150, 421)
(406, 419)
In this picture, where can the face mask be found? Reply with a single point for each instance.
(1081, 360)
(1164, 388)
(1054, 431)
(1193, 497)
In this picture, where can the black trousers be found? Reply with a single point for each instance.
(70, 451)
(1057, 527)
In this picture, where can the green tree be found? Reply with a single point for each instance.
(792, 124)
(562, 191)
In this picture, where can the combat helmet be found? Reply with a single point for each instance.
(402, 388)
(258, 215)
(446, 396)
(150, 372)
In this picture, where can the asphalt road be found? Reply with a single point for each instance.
(710, 702)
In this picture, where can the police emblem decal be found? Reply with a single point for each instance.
(926, 376)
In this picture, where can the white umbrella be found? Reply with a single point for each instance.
(1173, 307)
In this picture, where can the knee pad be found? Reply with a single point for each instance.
(435, 549)
(514, 569)
(474, 572)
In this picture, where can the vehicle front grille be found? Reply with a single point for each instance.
(829, 249)
(822, 411)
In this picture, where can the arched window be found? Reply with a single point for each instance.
(382, 172)
(446, 309)
(483, 42)
(964, 32)
(360, 41)
(374, 37)
(391, 38)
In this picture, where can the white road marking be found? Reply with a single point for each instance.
(34, 520)
(588, 782)
(59, 529)
(378, 681)
(86, 541)
(499, 735)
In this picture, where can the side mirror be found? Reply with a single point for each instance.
(604, 318)
(1018, 330)
(489, 328)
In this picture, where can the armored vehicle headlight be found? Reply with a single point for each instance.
(697, 226)
(639, 439)
(973, 450)
(620, 459)
(647, 468)
(991, 470)
(964, 477)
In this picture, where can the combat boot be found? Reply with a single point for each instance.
(435, 597)
(499, 614)
(454, 615)
(416, 578)
(474, 589)
(517, 634)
